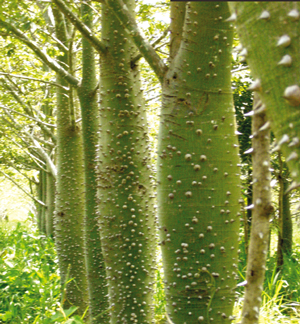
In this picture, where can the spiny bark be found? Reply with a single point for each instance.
(198, 176)
(88, 95)
(125, 190)
(50, 202)
(69, 205)
(269, 31)
(260, 231)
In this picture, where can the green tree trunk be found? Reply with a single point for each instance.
(260, 229)
(44, 200)
(39, 207)
(198, 176)
(287, 223)
(88, 95)
(50, 202)
(69, 206)
(125, 191)
(269, 32)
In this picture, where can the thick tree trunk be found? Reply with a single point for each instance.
(88, 95)
(198, 176)
(259, 238)
(125, 188)
(269, 32)
(69, 206)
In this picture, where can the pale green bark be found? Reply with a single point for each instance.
(69, 207)
(269, 31)
(88, 95)
(50, 202)
(260, 225)
(198, 176)
(125, 191)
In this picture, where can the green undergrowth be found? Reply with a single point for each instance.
(281, 295)
(29, 278)
(30, 283)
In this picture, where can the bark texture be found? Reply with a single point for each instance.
(198, 176)
(125, 190)
(69, 204)
(260, 231)
(269, 32)
(88, 95)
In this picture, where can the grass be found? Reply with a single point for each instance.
(30, 283)
(29, 278)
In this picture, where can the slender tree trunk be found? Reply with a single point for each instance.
(44, 200)
(39, 207)
(287, 223)
(269, 32)
(198, 176)
(259, 238)
(50, 202)
(285, 230)
(88, 95)
(69, 204)
(125, 190)
(247, 225)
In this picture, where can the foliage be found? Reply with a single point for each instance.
(29, 278)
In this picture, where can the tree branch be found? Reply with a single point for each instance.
(80, 26)
(28, 109)
(27, 193)
(129, 22)
(139, 56)
(46, 157)
(33, 79)
(40, 54)
(29, 117)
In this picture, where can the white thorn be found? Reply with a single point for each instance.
(233, 17)
(242, 284)
(238, 48)
(293, 186)
(261, 235)
(265, 126)
(264, 15)
(255, 86)
(250, 113)
(292, 156)
(292, 95)
(259, 110)
(238, 133)
(250, 207)
(284, 139)
(249, 151)
(284, 41)
(294, 14)
(286, 60)
(244, 52)
(294, 142)
(276, 148)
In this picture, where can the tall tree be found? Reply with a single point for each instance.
(260, 229)
(88, 96)
(198, 177)
(69, 208)
(126, 214)
(279, 23)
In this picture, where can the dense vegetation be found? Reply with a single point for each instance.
(108, 188)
